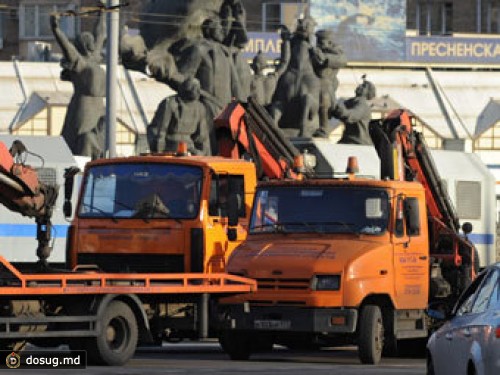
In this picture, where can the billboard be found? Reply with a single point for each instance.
(453, 50)
(368, 30)
(268, 43)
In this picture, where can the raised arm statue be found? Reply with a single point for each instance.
(83, 127)
(355, 113)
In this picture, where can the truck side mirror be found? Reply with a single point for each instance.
(466, 228)
(69, 178)
(412, 216)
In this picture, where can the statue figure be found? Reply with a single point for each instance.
(263, 85)
(355, 113)
(207, 59)
(327, 58)
(233, 21)
(180, 118)
(83, 127)
(296, 100)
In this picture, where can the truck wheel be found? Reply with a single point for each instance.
(117, 341)
(236, 344)
(371, 335)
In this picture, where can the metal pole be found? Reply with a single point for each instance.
(479, 16)
(113, 20)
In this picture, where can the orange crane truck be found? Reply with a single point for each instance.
(350, 260)
(152, 259)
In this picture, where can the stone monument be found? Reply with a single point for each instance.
(83, 127)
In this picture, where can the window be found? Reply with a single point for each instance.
(221, 187)
(320, 209)
(489, 140)
(142, 191)
(468, 198)
(434, 18)
(494, 19)
(447, 18)
(37, 125)
(35, 21)
(485, 293)
(271, 17)
(466, 300)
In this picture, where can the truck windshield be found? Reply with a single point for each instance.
(320, 210)
(141, 191)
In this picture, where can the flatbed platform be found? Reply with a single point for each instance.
(94, 282)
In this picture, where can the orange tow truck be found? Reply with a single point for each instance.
(350, 260)
(117, 299)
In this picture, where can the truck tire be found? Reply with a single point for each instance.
(117, 341)
(370, 335)
(236, 344)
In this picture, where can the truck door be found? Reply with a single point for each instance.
(411, 254)
(218, 247)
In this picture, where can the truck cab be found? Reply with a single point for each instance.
(336, 261)
(160, 213)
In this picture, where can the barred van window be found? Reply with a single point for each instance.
(468, 194)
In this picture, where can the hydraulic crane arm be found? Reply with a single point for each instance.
(405, 156)
(21, 191)
(247, 129)
(419, 166)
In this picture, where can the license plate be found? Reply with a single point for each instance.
(272, 324)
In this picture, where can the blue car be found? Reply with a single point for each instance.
(469, 342)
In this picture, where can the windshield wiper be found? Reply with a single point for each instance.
(126, 206)
(277, 227)
(349, 227)
(105, 214)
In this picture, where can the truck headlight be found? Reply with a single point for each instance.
(326, 282)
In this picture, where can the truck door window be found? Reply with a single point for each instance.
(221, 187)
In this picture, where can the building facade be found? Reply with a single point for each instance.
(449, 119)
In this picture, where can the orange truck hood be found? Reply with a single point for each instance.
(301, 256)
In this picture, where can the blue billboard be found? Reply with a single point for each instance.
(267, 43)
(368, 30)
(453, 50)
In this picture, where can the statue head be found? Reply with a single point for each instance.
(259, 63)
(189, 90)
(85, 43)
(212, 29)
(325, 40)
(366, 89)
(305, 27)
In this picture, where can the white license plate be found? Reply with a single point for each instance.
(272, 324)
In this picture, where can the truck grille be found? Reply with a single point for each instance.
(134, 263)
(283, 284)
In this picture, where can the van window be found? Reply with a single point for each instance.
(468, 198)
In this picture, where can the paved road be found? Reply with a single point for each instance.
(208, 358)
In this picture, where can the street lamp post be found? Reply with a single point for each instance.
(113, 20)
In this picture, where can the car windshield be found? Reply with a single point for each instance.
(320, 210)
(141, 191)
